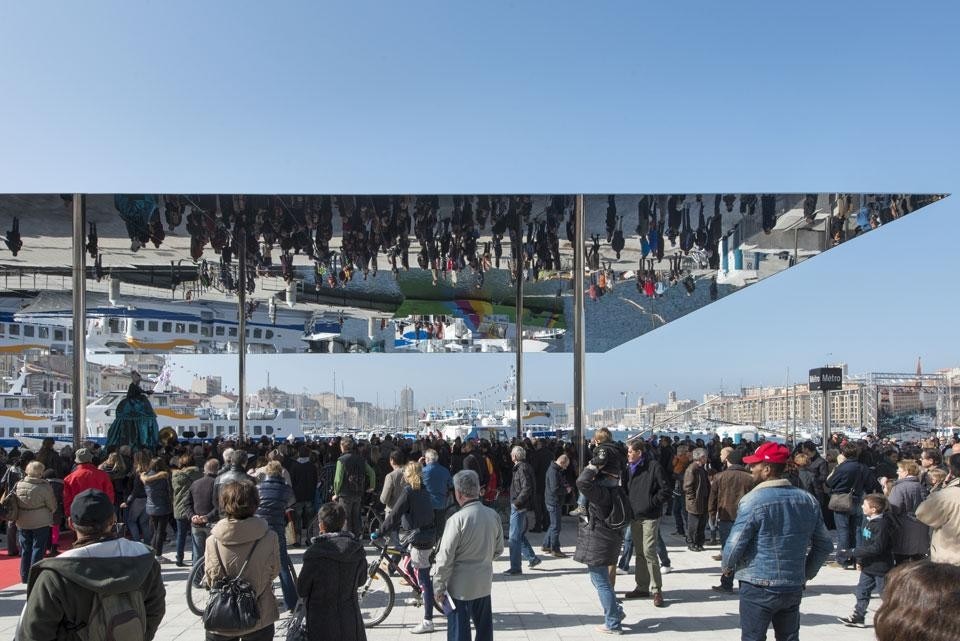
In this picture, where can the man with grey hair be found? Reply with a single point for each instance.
(696, 492)
(521, 500)
(463, 573)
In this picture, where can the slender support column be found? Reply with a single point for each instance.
(826, 419)
(79, 398)
(242, 305)
(579, 344)
(518, 380)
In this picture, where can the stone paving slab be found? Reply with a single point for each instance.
(557, 601)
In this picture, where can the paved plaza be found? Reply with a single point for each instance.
(556, 600)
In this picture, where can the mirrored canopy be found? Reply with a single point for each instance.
(399, 274)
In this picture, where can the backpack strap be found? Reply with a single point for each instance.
(216, 549)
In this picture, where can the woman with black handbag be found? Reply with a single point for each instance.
(242, 546)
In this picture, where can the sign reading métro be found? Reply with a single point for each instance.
(826, 379)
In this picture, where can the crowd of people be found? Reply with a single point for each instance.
(895, 509)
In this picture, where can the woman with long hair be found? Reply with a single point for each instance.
(413, 514)
(159, 507)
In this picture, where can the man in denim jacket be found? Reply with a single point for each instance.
(777, 544)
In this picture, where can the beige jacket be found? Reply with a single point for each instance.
(472, 539)
(235, 539)
(941, 511)
(37, 503)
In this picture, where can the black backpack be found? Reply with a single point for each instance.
(233, 601)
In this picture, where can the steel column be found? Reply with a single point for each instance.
(242, 308)
(79, 398)
(518, 379)
(579, 344)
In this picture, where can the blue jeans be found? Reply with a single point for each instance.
(477, 610)
(612, 612)
(551, 539)
(519, 545)
(287, 584)
(627, 554)
(138, 522)
(200, 535)
(759, 607)
(848, 531)
(867, 584)
(725, 527)
(183, 531)
(662, 550)
(680, 513)
(33, 544)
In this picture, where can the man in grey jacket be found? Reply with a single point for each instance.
(463, 573)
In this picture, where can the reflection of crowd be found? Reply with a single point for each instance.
(467, 239)
(371, 225)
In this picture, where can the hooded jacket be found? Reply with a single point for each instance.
(942, 513)
(182, 479)
(334, 566)
(234, 539)
(913, 537)
(275, 497)
(597, 544)
(37, 503)
(875, 553)
(61, 590)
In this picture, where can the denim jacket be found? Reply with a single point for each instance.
(778, 539)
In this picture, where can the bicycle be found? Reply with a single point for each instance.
(198, 593)
(377, 595)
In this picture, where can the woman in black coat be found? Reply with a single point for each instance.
(334, 566)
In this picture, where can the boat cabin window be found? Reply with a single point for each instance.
(166, 327)
(58, 429)
(219, 430)
(268, 430)
(138, 325)
(269, 333)
(258, 333)
(42, 430)
(233, 332)
(12, 432)
(152, 326)
(14, 330)
(218, 330)
(9, 403)
(205, 331)
(28, 330)
(193, 328)
(43, 332)
(3, 329)
(69, 334)
(258, 430)
(180, 328)
(58, 334)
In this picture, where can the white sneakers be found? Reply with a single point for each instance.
(424, 627)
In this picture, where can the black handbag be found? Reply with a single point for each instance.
(233, 601)
(842, 503)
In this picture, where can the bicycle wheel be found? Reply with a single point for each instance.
(197, 593)
(371, 520)
(376, 598)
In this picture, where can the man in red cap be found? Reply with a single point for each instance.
(778, 543)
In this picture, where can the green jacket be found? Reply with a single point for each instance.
(60, 590)
(182, 479)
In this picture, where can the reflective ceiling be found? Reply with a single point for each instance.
(399, 274)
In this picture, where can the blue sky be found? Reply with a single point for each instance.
(530, 97)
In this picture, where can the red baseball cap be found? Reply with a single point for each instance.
(769, 453)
